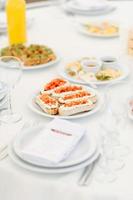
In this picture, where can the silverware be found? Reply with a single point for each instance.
(3, 151)
(86, 176)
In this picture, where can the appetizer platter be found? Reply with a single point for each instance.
(90, 70)
(60, 98)
(33, 56)
(102, 29)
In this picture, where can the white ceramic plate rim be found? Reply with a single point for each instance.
(35, 108)
(92, 144)
(49, 64)
(33, 168)
(130, 115)
(124, 75)
(73, 6)
(81, 29)
(91, 13)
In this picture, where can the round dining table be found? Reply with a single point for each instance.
(53, 27)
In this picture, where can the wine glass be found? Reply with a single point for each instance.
(10, 73)
(117, 97)
(115, 122)
(104, 172)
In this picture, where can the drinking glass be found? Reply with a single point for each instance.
(113, 124)
(10, 73)
(105, 173)
(118, 95)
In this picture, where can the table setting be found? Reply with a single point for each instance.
(66, 101)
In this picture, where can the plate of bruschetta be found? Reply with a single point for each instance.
(60, 98)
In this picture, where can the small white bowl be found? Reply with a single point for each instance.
(109, 62)
(91, 65)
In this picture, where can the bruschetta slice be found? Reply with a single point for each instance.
(53, 84)
(76, 106)
(47, 103)
(83, 94)
(66, 90)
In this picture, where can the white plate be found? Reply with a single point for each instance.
(83, 30)
(130, 114)
(35, 108)
(83, 151)
(49, 64)
(124, 69)
(91, 8)
(68, 8)
(37, 169)
(129, 111)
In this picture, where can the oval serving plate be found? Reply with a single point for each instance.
(36, 109)
(125, 73)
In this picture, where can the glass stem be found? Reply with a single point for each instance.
(10, 101)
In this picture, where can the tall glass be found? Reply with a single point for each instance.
(10, 73)
(118, 98)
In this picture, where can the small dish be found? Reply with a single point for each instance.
(109, 62)
(91, 65)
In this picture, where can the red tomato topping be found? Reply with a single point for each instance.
(54, 83)
(75, 103)
(78, 95)
(70, 88)
(48, 100)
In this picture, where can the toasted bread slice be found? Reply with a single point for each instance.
(83, 94)
(48, 104)
(76, 106)
(66, 90)
(53, 84)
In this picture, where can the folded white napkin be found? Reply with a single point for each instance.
(55, 142)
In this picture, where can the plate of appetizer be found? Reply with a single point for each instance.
(90, 70)
(33, 56)
(102, 29)
(59, 98)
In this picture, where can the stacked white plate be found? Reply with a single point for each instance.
(84, 154)
(3, 96)
(89, 7)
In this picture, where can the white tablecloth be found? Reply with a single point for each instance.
(51, 26)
